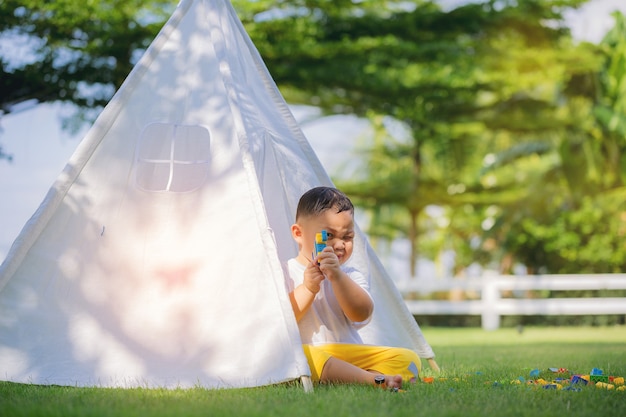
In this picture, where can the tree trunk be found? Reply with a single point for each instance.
(413, 237)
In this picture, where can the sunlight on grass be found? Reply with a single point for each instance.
(579, 349)
(480, 370)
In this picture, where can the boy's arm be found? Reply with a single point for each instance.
(303, 295)
(301, 299)
(355, 302)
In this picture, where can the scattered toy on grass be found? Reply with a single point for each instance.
(566, 380)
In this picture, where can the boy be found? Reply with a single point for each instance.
(331, 301)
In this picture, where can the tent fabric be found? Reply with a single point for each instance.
(155, 259)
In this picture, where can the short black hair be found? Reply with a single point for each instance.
(319, 199)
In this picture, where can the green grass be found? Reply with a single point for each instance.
(478, 366)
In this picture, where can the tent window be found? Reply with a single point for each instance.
(172, 157)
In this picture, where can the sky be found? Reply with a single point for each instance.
(41, 148)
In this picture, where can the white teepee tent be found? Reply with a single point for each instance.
(155, 258)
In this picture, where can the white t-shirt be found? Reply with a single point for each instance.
(325, 322)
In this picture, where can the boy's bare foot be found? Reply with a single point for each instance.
(394, 382)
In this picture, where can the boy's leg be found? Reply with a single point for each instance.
(327, 368)
(379, 359)
(339, 371)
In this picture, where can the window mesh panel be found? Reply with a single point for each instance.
(172, 158)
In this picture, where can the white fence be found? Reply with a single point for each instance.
(492, 305)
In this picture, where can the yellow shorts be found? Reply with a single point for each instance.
(383, 359)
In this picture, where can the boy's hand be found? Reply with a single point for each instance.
(313, 278)
(329, 263)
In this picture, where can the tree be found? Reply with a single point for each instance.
(77, 52)
(574, 219)
(68, 51)
(440, 74)
(610, 103)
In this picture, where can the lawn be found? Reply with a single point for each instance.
(477, 370)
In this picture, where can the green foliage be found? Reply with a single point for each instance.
(488, 82)
(586, 239)
(610, 109)
(571, 219)
(73, 51)
(497, 104)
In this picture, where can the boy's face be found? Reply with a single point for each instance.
(340, 228)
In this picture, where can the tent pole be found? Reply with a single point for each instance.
(306, 383)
